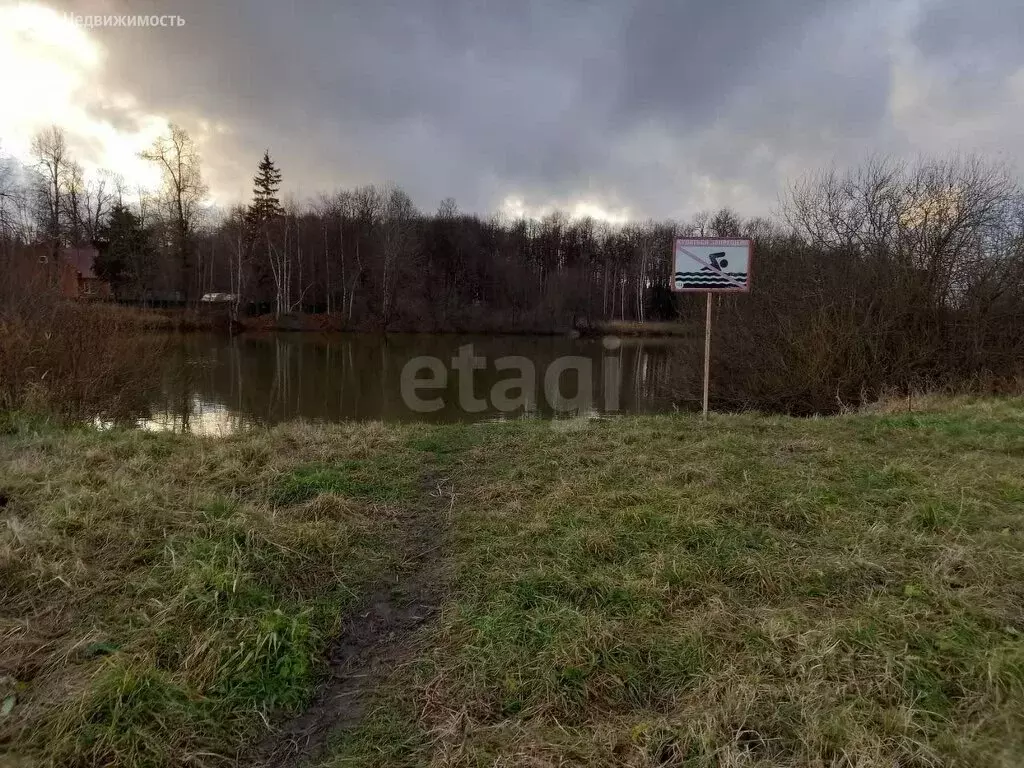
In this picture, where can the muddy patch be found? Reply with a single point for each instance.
(376, 639)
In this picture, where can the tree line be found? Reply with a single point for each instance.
(891, 275)
(366, 255)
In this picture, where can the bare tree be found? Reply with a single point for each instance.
(73, 201)
(9, 194)
(725, 223)
(367, 205)
(236, 226)
(182, 193)
(278, 236)
(700, 223)
(96, 203)
(118, 187)
(396, 245)
(925, 254)
(50, 150)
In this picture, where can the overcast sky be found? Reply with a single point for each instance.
(628, 107)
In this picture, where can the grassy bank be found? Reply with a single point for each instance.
(161, 594)
(645, 591)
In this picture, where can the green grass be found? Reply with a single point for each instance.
(163, 594)
(645, 591)
(380, 481)
(759, 591)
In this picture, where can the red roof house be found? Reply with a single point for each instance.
(78, 278)
(73, 275)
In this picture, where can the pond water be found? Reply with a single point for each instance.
(213, 384)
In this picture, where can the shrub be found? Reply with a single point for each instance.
(71, 359)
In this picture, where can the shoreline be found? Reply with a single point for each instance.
(218, 320)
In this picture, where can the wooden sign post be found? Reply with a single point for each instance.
(711, 265)
(707, 357)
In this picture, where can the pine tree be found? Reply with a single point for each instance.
(268, 232)
(265, 204)
(125, 250)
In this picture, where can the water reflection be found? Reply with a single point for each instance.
(216, 385)
(199, 417)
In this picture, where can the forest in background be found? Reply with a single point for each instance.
(891, 276)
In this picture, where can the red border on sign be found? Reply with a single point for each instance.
(713, 241)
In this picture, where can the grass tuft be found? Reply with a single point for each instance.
(352, 478)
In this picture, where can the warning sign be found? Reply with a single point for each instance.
(712, 265)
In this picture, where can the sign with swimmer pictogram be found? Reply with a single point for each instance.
(711, 265)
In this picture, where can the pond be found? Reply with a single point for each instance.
(212, 384)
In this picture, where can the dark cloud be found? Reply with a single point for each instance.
(662, 106)
(682, 61)
(973, 34)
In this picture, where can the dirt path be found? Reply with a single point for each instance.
(376, 638)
